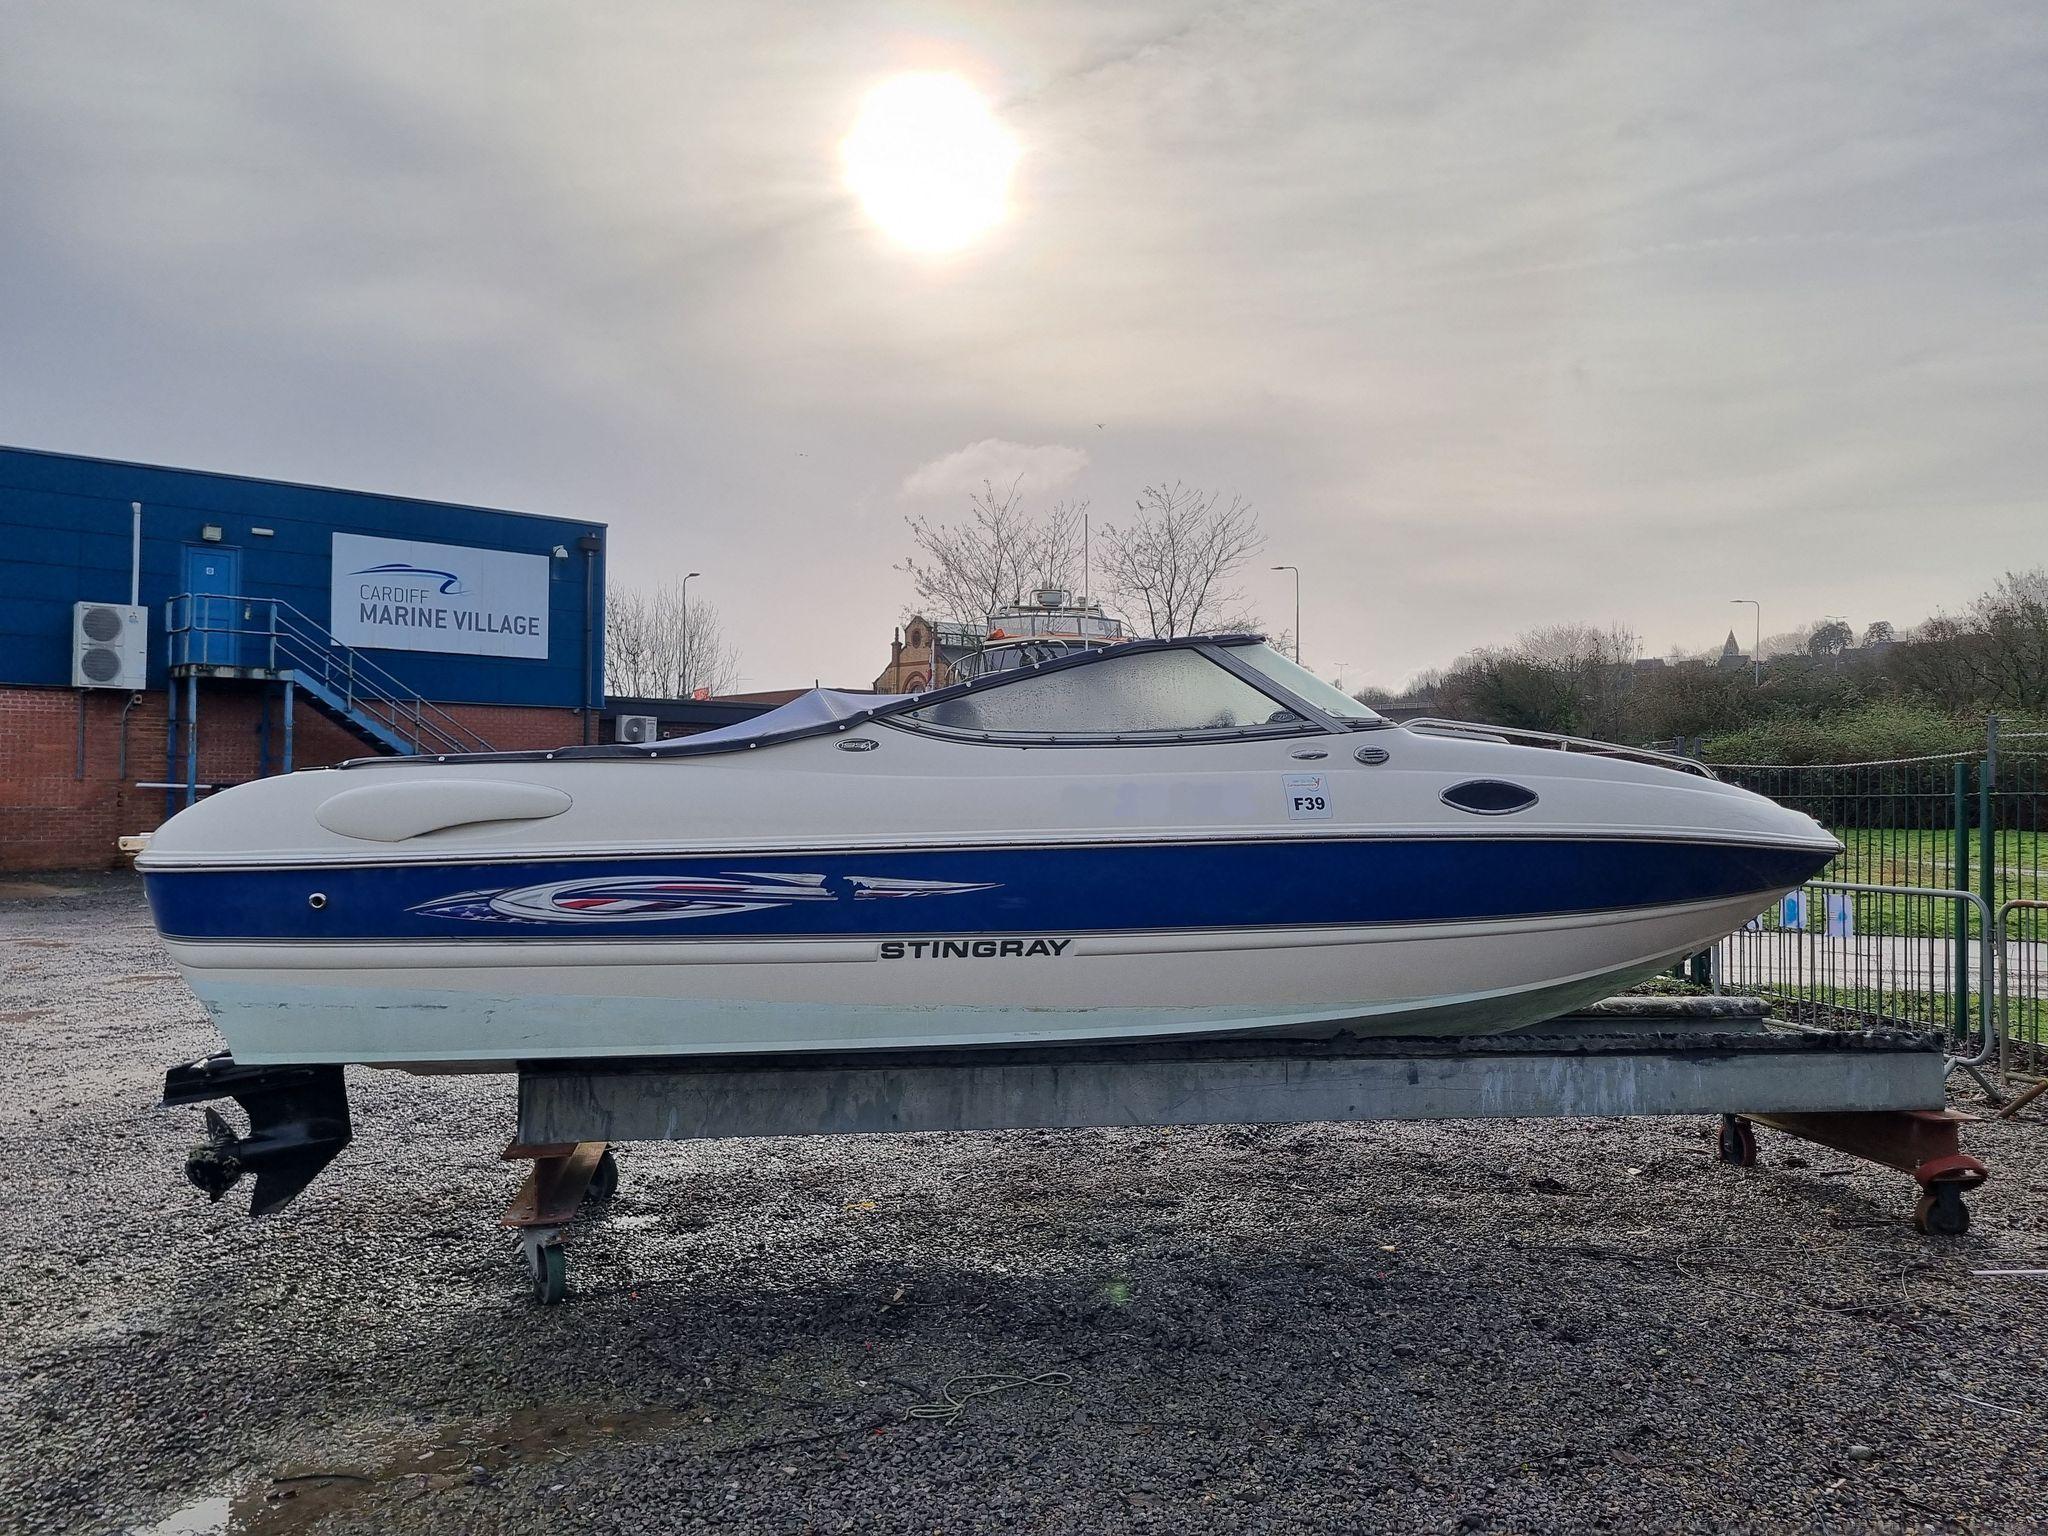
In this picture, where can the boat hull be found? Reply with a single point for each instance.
(483, 1001)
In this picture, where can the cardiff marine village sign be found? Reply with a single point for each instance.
(402, 595)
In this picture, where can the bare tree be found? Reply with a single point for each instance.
(1575, 678)
(1677, 702)
(1787, 642)
(1172, 568)
(1994, 657)
(1424, 684)
(656, 647)
(1578, 647)
(962, 572)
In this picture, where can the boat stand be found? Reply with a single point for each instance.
(1876, 1094)
(564, 1176)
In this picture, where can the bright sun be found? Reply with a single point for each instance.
(929, 161)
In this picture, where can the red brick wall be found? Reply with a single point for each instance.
(52, 816)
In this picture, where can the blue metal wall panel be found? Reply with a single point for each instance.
(64, 538)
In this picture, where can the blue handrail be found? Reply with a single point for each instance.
(224, 630)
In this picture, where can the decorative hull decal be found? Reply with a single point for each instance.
(671, 898)
(877, 888)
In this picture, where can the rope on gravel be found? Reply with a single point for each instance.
(980, 1384)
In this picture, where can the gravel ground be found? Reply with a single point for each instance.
(1535, 1326)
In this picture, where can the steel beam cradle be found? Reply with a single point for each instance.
(1876, 1094)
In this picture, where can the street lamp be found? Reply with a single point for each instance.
(1297, 608)
(683, 661)
(1756, 657)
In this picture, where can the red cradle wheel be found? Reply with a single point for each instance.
(1940, 1211)
(1738, 1142)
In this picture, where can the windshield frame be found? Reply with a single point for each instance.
(1312, 721)
(1370, 720)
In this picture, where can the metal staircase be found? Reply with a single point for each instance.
(217, 635)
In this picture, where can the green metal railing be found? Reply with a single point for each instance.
(2022, 981)
(1948, 856)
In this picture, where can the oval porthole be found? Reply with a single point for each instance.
(1489, 797)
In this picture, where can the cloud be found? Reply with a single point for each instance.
(1037, 471)
(1556, 312)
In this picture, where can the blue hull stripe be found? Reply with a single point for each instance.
(1129, 887)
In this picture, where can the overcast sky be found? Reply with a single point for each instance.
(1501, 314)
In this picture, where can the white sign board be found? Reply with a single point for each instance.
(402, 595)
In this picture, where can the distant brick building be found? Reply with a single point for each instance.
(910, 654)
(1051, 616)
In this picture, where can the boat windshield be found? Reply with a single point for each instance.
(1304, 684)
(1163, 692)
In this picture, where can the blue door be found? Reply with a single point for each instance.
(212, 577)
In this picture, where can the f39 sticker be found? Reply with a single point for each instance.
(1308, 796)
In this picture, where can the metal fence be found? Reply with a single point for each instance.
(1934, 915)
(2019, 808)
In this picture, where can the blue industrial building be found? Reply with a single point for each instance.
(67, 525)
(405, 625)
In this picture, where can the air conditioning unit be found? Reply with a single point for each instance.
(638, 730)
(109, 646)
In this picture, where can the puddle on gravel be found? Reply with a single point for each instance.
(204, 1517)
(431, 1460)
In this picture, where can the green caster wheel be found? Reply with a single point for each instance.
(549, 1266)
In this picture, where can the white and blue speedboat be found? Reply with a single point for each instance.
(1162, 838)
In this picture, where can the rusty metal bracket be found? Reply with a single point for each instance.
(556, 1184)
(1922, 1142)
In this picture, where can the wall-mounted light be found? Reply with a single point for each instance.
(560, 553)
(211, 533)
(263, 533)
